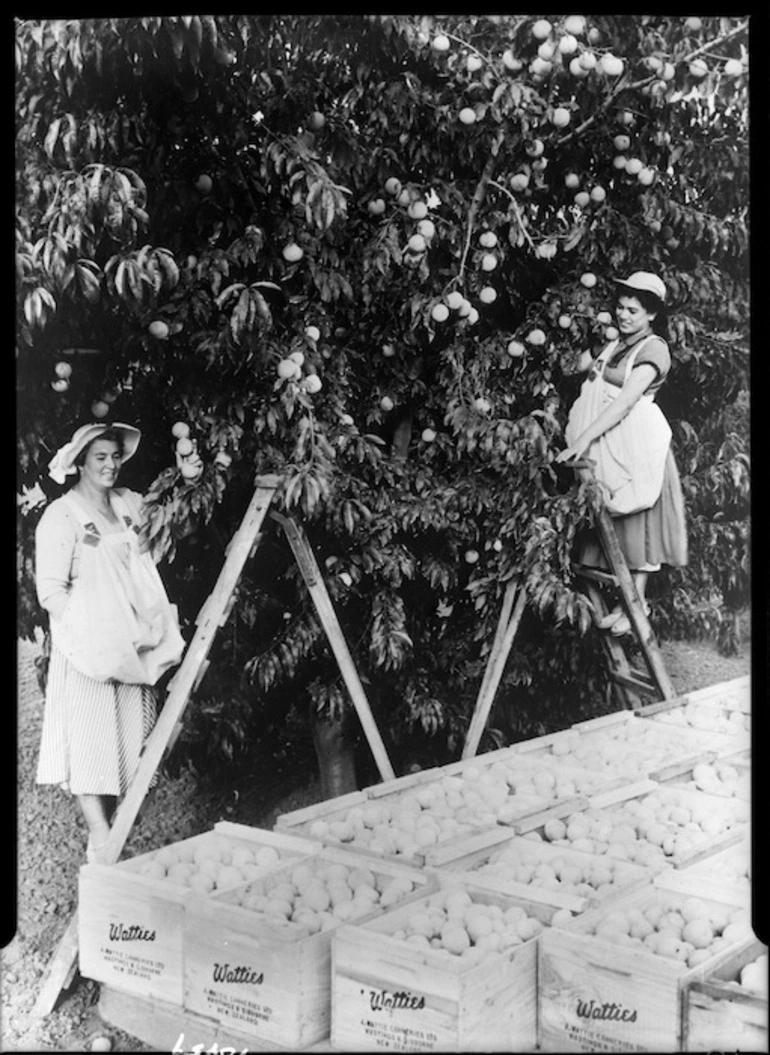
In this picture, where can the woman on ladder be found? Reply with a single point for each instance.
(616, 423)
(113, 630)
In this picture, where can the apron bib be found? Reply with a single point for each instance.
(631, 456)
(118, 624)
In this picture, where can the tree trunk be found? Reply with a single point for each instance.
(334, 750)
(401, 436)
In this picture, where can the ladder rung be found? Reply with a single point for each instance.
(633, 681)
(596, 574)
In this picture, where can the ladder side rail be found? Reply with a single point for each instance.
(320, 596)
(496, 668)
(630, 595)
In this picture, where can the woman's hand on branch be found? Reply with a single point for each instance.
(571, 454)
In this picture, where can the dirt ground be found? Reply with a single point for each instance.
(51, 842)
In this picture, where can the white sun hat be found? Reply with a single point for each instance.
(62, 464)
(646, 282)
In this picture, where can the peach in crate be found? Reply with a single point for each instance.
(624, 746)
(728, 778)
(258, 958)
(452, 971)
(130, 914)
(409, 817)
(515, 864)
(613, 979)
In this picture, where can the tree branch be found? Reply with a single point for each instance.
(622, 87)
(517, 211)
(478, 197)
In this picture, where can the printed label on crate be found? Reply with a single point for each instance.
(596, 1015)
(252, 993)
(236, 1006)
(129, 961)
(375, 1017)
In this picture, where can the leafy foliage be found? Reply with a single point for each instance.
(202, 200)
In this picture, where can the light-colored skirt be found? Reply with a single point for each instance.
(652, 537)
(93, 731)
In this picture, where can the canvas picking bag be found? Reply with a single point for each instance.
(630, 457)
(118, 624)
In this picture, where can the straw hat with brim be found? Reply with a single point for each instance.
(62, 464)
(644, 282)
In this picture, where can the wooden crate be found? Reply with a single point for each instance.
(430, 794)
(245, 971)
(625, 747)
(720, 1014)
(390, 995)
(731, 729)
(617, 807)
(722, 875)
(710, 776)
(734, 694)
(168, 1027)
(131, 925)
(598, 995)
(485, 850)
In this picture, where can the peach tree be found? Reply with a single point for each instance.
(362, 252)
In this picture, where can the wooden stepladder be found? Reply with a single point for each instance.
(213, 615)
(631, 683)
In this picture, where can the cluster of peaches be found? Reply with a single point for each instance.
(211, 864)
(318, 894)
(479, 797)
(678, 927)
(452, 922)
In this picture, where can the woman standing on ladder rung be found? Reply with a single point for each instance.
(616, 423)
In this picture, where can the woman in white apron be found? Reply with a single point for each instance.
(616, 422)
(113, 630)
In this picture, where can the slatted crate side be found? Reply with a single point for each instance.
(294, 844)
(720, 1013)
(130, 925)
(735, 813)
(130, 932)
(683, 774)
(598, 995)
(404, 783)
(244, 970)
(388, 994)
(704, 845)
(730, 735)
(614, 796)
(603, 721)
(523, 747)
(315, 824)
(707, 876)
(296, 819)
(734, 691)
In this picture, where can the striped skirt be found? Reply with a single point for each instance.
(93, 731)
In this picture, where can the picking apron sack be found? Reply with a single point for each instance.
(118, 624)
(631, 456)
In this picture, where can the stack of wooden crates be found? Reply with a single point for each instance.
(174, 959)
